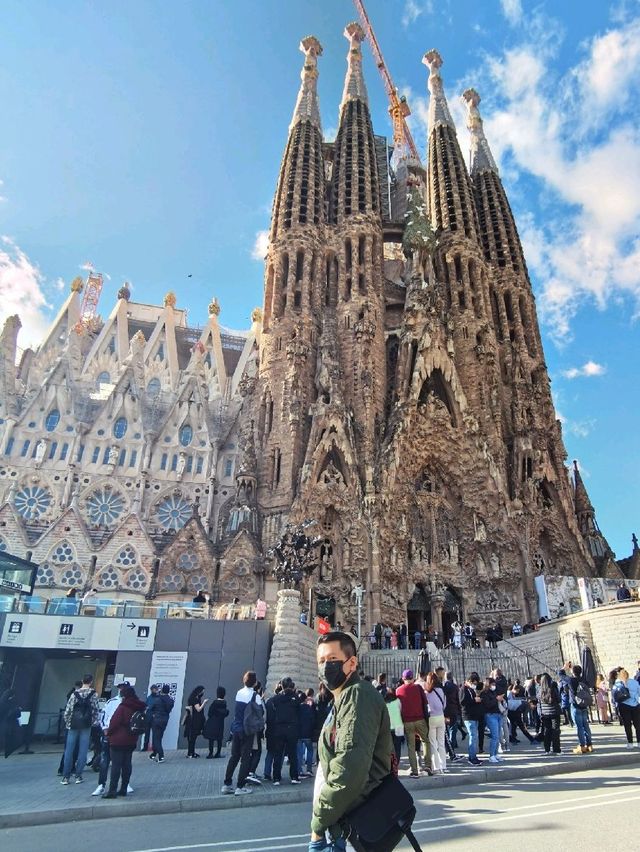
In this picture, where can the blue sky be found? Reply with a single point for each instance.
(146, 138)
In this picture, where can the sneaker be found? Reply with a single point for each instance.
(161, 760)
(276, 783)
(493, 760)
(99, 790)
(252, 779)
(65, 781)
(414, 775)
(579, 750)
(152, 756)
(242, 791)
(475, 762)
(267, 778)
(129, 788)
(227, 789)
(79, 779)
(295, 781)
(629, 745)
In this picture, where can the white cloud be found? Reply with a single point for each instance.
(560, 131)
(413, 9)
(329, 135)
(260, 245)
(512, 10)
(590, 368)
(22, 293)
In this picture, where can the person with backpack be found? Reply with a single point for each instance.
(626, 694)
(284, 720)
(81, 713)
(214, 726)
(125, 726)
(105, 751)
(159, 709)
(248, 720)
(581, 700)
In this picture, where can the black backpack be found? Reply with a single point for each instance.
(82, 713)
(138, 723)
(253, 721)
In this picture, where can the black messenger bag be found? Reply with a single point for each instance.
(380, 823)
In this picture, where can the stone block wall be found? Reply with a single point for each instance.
(293, 652)
(612, 632)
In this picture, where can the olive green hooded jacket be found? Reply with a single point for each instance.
(354, 750)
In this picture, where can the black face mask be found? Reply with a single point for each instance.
(331, 674)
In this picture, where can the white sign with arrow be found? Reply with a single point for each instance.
(137, 634)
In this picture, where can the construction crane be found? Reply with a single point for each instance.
(403, 143)
(91, 297)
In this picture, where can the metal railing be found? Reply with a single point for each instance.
(109, 608)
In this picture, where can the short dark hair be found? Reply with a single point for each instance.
(287, 683)
(250, 679)
(382, 676)
(221, 692)
(577, 670)
(87, 679)
(310, 693)
(347, 645)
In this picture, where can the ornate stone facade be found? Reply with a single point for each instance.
(393, 388)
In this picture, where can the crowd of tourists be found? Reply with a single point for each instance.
(431, 715)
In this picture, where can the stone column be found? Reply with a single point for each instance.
(437, 603)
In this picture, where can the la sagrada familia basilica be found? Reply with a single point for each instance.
(393, 388)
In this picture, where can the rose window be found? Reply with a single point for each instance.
(108, 579)
(45, 575)
(197, 583)
(172, 583)
(72, 576)
(173, 512)
(137, 580)
(127, 557)
(187, 562)
(32, 501)
(104, 507)
(62, 553)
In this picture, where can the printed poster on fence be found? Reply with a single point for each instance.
(170, 667)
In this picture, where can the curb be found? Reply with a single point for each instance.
(176, 806)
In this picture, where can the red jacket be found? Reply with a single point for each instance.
(412, 702)
(118, 732)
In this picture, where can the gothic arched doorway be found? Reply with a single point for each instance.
(418, 610)
(451, 611)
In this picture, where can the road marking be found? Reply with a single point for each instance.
(613, 797)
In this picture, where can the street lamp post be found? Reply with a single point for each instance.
(358, 593)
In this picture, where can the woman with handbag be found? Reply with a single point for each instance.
(626, 694)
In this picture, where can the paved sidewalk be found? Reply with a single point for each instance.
(32, 793)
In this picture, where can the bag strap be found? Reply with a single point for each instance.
(412, 840)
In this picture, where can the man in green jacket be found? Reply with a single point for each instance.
(355, 748)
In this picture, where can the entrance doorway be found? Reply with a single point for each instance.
(418, 611)
(451, 611)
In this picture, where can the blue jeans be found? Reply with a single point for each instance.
(472, 729)
(493, 723)
(82, 737)
(581, 718)
(305, 750)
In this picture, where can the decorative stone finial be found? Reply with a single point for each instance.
(214, 307)
(438, 107)
(256, 315)
(124, 292)
(170, 299)
(354, 85)
(306, 108)
(77, 285)
(481, 156)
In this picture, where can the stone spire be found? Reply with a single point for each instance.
(481, 156)
(307, 108)
(354, 179)
(438, 107)
(354, 85)
(582, 503)
(450, 193)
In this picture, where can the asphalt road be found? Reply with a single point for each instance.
(586, 808)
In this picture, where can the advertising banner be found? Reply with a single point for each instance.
(170, 667)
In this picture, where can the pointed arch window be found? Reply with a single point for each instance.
(103, 378)
(186, 435)
(120, 427)
(52, 420)
(3, 545)
(153, 387)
